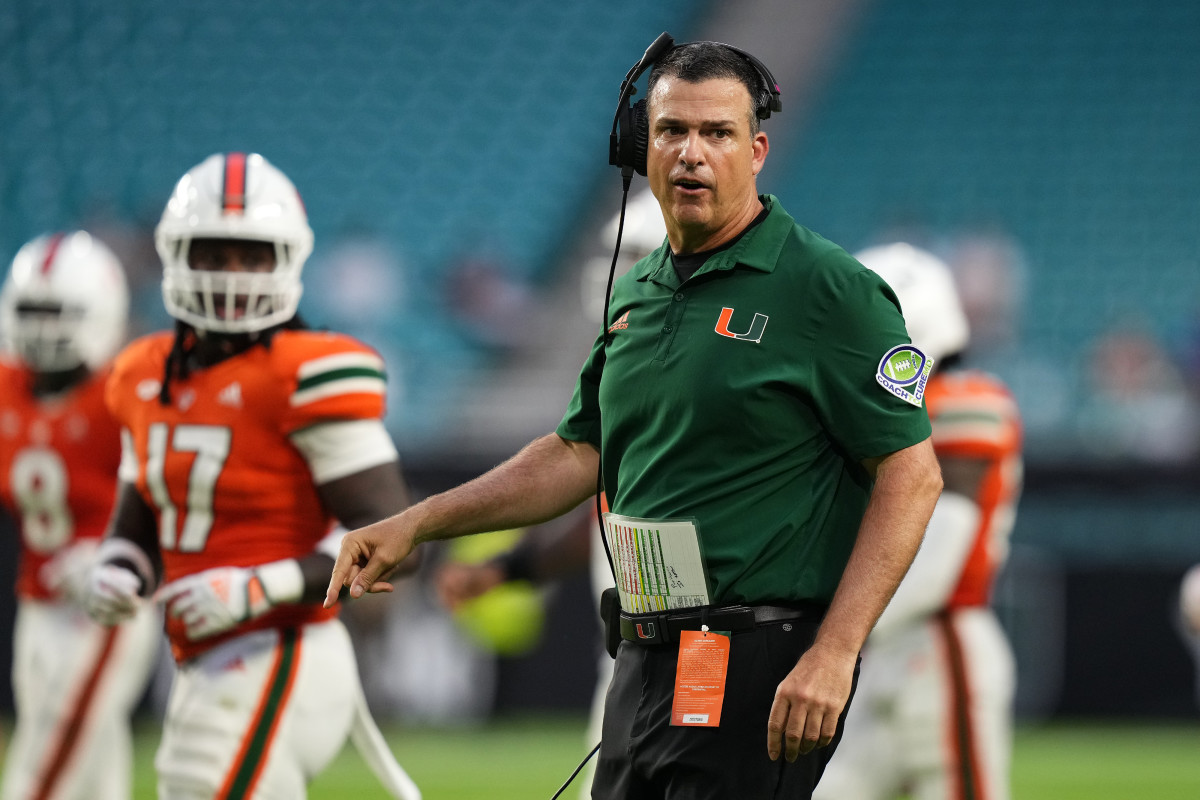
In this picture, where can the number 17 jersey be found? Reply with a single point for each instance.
(217, 465)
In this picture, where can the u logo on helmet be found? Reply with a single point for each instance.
(904, 371)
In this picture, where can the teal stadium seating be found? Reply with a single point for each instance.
(432, 123)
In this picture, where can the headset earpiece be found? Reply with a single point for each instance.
(640, 138)
(630, 142)
(633, 137)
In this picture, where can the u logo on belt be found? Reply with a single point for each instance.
(648, 632)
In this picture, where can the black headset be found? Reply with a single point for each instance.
(630, 135)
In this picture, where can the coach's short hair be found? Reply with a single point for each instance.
(697, 62)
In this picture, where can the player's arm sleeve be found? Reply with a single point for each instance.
(937, 566)
(336, 449)
(860, 324)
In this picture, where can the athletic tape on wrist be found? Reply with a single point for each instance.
(282, 581)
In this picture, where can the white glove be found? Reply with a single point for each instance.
(112, 594)
(218, 599)
(66, 574)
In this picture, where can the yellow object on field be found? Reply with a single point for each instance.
(509, 618)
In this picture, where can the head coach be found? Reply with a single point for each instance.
(756, 409)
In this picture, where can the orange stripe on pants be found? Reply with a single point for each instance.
(252, 755)
(68, 736)
(968, 782)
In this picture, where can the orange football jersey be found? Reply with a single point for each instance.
(58, 461)
(227, 485)
(975, 417)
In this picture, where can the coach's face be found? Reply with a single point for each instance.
(702, 160)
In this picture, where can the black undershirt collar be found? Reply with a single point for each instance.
(688, 265)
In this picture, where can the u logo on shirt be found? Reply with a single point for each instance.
(753, 335)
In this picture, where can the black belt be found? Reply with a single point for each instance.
(663, 627)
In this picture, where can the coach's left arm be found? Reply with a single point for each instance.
(811, 698)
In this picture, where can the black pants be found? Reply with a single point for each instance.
(643, 757)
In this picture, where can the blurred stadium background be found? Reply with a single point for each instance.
(453, 156)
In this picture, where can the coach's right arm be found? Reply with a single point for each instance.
(547, 478)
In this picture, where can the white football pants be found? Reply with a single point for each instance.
(932, 715)
(75, 684)
(258, 716)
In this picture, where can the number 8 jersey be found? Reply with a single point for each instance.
(58, 461)
(220, 465)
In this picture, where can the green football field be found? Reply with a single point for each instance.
(528, 759)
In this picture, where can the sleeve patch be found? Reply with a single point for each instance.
(904, 371)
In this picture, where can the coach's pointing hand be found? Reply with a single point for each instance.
(366, 556)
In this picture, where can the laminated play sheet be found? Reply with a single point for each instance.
(658, 563)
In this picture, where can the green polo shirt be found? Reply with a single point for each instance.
(745, 398)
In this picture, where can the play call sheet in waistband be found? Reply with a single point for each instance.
(658, 563)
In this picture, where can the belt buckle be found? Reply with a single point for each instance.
(644, 628)
(649, 630)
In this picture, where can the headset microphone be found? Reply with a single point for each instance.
(654, 52)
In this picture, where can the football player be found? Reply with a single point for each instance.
(245, 436)
(932, 717)
(63, 311)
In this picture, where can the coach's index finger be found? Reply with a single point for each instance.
(345, 569)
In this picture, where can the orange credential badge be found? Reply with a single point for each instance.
(700, 678)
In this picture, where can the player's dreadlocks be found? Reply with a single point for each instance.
(178, 363)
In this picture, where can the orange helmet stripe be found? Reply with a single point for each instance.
(234, 194)
(51, 252)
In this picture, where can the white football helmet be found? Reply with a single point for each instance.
(644, 227)
(928, 298)
(233, 196)
(64, 303)
(644, 231)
